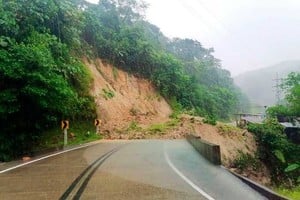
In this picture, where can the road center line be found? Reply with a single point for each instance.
(188, 181)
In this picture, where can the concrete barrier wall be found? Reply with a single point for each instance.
(212, 153)
(261, 189)
(208, 150)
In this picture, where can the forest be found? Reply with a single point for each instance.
(43, 79)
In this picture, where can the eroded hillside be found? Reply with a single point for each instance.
(122, 98)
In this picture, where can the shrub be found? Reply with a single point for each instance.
(276, 151)
(246, 160)
(210, 120)
(133, 126)
(107, 94)
(227, 129)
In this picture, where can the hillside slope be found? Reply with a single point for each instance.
(131, 108)
(122, 98)
(259, 84)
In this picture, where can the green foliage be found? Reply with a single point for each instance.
(84, 131)
(133, 126)
(292, 167)
(115, 73)
(276, 150)
(210, 120)
(157, 128)
(279, 110)
(107, 94)
(41, 82)
(279, 155)
(293, 193)
(176, 108)
(282, 149)
(291, 86)
(172, 123)
(227, 129)
(246, 161)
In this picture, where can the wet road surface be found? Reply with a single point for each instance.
(115, 170)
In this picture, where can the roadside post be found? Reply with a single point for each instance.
(65, 127)
(97, 124)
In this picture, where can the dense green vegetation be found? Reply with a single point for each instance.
(279, 154)
(290, 193)
(290, 107)
(274, 148)
(43, 80)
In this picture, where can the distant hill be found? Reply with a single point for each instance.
(258, 84)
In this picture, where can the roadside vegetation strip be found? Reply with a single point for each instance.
(43, 158)
(76, 189)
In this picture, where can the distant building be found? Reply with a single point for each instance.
(291, 124)
(291, 127)
(242, 119)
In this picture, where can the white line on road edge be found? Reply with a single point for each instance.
(188, 181)
(45, 157)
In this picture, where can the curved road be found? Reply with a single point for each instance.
(133, 170)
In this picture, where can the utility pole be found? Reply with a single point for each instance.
(277, 81)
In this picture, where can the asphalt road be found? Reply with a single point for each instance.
(129, 170)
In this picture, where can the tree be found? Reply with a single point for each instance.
(291, 85)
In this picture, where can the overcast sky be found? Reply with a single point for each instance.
(246, 34)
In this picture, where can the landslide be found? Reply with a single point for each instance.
(131, 108)
(122, 98)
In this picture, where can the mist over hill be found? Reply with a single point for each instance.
(259, 85)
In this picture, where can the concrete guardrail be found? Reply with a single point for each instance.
(260, 188)
(208, 150)
(212, 153)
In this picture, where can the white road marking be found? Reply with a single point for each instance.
(42, 158)
(188, 181)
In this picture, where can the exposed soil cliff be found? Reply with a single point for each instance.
(122, 98)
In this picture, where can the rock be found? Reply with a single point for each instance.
(72, 135)
(244, 132)
(26, 158)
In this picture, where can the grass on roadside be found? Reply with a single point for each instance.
(161, 128)
(293, 194)
(83, 132)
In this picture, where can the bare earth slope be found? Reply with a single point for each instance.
(122, 98)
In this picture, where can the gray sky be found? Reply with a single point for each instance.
(246, 34)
